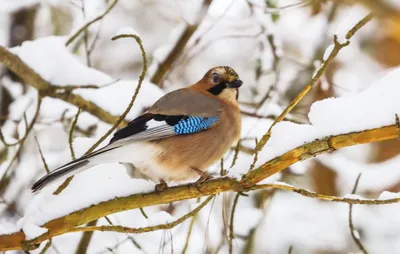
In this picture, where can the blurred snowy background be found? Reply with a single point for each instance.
(274, 45)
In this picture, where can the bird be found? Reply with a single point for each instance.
(177, 138)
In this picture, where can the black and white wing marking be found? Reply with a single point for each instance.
(156, 126)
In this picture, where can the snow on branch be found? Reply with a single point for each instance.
(31, 77)
(68, 223)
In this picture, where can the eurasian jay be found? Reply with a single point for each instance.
(178, 138)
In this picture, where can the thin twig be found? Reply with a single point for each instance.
(69, 88)
(84, 27)
(275, 10)
(85, 240)
(141, 78)
(23, 139)
(2, 138)
(255, 158)
(143, 213)
(108, 220)
(176, 51)
(46, 167)
(231, 228)
(336, 49)
(122, 117)
(86, 36)
(188, 234)
(236, 154)
(221, 165)
(351, 225)
(46, 247)
(71, 134)
(122, 229)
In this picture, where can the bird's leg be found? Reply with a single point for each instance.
(162, 186)
(203, 177)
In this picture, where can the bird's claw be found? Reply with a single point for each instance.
(203, 178)
(162, 186)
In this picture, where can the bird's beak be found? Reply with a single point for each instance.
(235, 83)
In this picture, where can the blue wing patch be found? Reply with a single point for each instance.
(193, 124)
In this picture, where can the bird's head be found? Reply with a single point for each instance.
(222, 81)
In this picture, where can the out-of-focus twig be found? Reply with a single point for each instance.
(335, 51)
(84, 27)
(188, 234)
(165, 66)
(122, 117)
(382, 9)
(122, 229)
(255, 158)
(46, 247)
(351, 225)
(85, 240)
(231, 226)
(46, 167)
(21, 144)
(71, 134)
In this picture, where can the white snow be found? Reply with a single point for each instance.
(50, 58)
(375, 176)
(356, 234)
(126, 30)
(335, 116)
(9, 6)
(356, 112)
(159, 218)
(354, 15)
(389, 195)
(32, 231)
(109, 184)
(7, 227)
(328, 51)
(354, 196)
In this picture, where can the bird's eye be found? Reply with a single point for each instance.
(215, 78)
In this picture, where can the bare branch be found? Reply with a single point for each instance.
(231, 228)
(178, 48)
(46, 167)
(336, 49)
(351, 225)
(122, 229)
(71, 134)
(84, 27)
(17, 153)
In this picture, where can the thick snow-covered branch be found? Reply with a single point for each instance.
(29, 76)
(65, 224)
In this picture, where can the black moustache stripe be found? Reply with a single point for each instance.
(217, 89)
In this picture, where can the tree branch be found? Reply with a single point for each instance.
(29, 76)
(178, 48)
(84, 27)
(335, 51)
(67, 223)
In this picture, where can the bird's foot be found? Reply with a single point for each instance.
(203, 177)
(162, 186)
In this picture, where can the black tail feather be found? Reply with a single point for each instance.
(58, 173)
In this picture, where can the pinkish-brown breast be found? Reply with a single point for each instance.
(202, 149)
